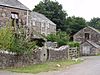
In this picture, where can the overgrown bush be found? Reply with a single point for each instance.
(6, 37)
(16, 42)
(52, 37)
(21, 45)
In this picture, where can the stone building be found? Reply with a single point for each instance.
(89, 38)
(35, 24)
(42, 24)
(15, 11)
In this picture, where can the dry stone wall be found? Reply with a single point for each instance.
(57, 54)
(12, 60)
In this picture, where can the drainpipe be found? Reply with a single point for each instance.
(27, 19)
(27, 22)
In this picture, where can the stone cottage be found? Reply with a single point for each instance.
(34, 23)
(89, 38)
(42, 24)
(14, 10)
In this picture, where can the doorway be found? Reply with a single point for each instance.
(86, 50)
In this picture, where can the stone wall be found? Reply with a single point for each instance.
(12, 60)
(40, 55)
(51, 44)
(57, 54)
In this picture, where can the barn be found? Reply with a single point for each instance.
(89, 39)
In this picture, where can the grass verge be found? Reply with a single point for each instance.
(45, 67)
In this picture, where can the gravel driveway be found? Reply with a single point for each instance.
(91, 66)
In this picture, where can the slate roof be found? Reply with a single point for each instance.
(90, 28)
(94, 29)
(13, 3)
(93, 44)
(41, 18)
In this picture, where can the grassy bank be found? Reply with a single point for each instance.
(45, 67)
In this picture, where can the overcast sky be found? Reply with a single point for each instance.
(83, 8)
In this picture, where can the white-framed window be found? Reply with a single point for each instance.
(48, 25)
(14, 15)
(33, 23)
(42, 24)
(15, 19)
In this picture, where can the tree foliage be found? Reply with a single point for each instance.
(74, 24)
(54, 11)
(95, 22)
(61, 38)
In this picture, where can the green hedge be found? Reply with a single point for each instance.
(73, 44)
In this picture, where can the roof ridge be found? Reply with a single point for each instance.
(13, 3)
(94, 29)
(42, 17)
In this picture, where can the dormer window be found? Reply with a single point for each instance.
(87, 36)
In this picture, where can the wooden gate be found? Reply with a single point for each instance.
(73, 52)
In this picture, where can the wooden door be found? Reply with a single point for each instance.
(86, 50)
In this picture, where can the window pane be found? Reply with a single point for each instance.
(16, 16)
(42, 25)
(33, 23)
(48, 25)
(13, 16)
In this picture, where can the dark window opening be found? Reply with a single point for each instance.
(87, 36)
(47, 54)
(15, 19)
(13, 22)
(44, 54)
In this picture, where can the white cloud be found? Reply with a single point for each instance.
(83, 8)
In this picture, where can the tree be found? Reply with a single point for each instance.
(95, 22)
(54, 11)
(74, 24)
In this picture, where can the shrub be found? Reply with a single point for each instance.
(21, 46)
(13, 41)
(61, 38)
(73, 44)
(6, 37)
(52, 37)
